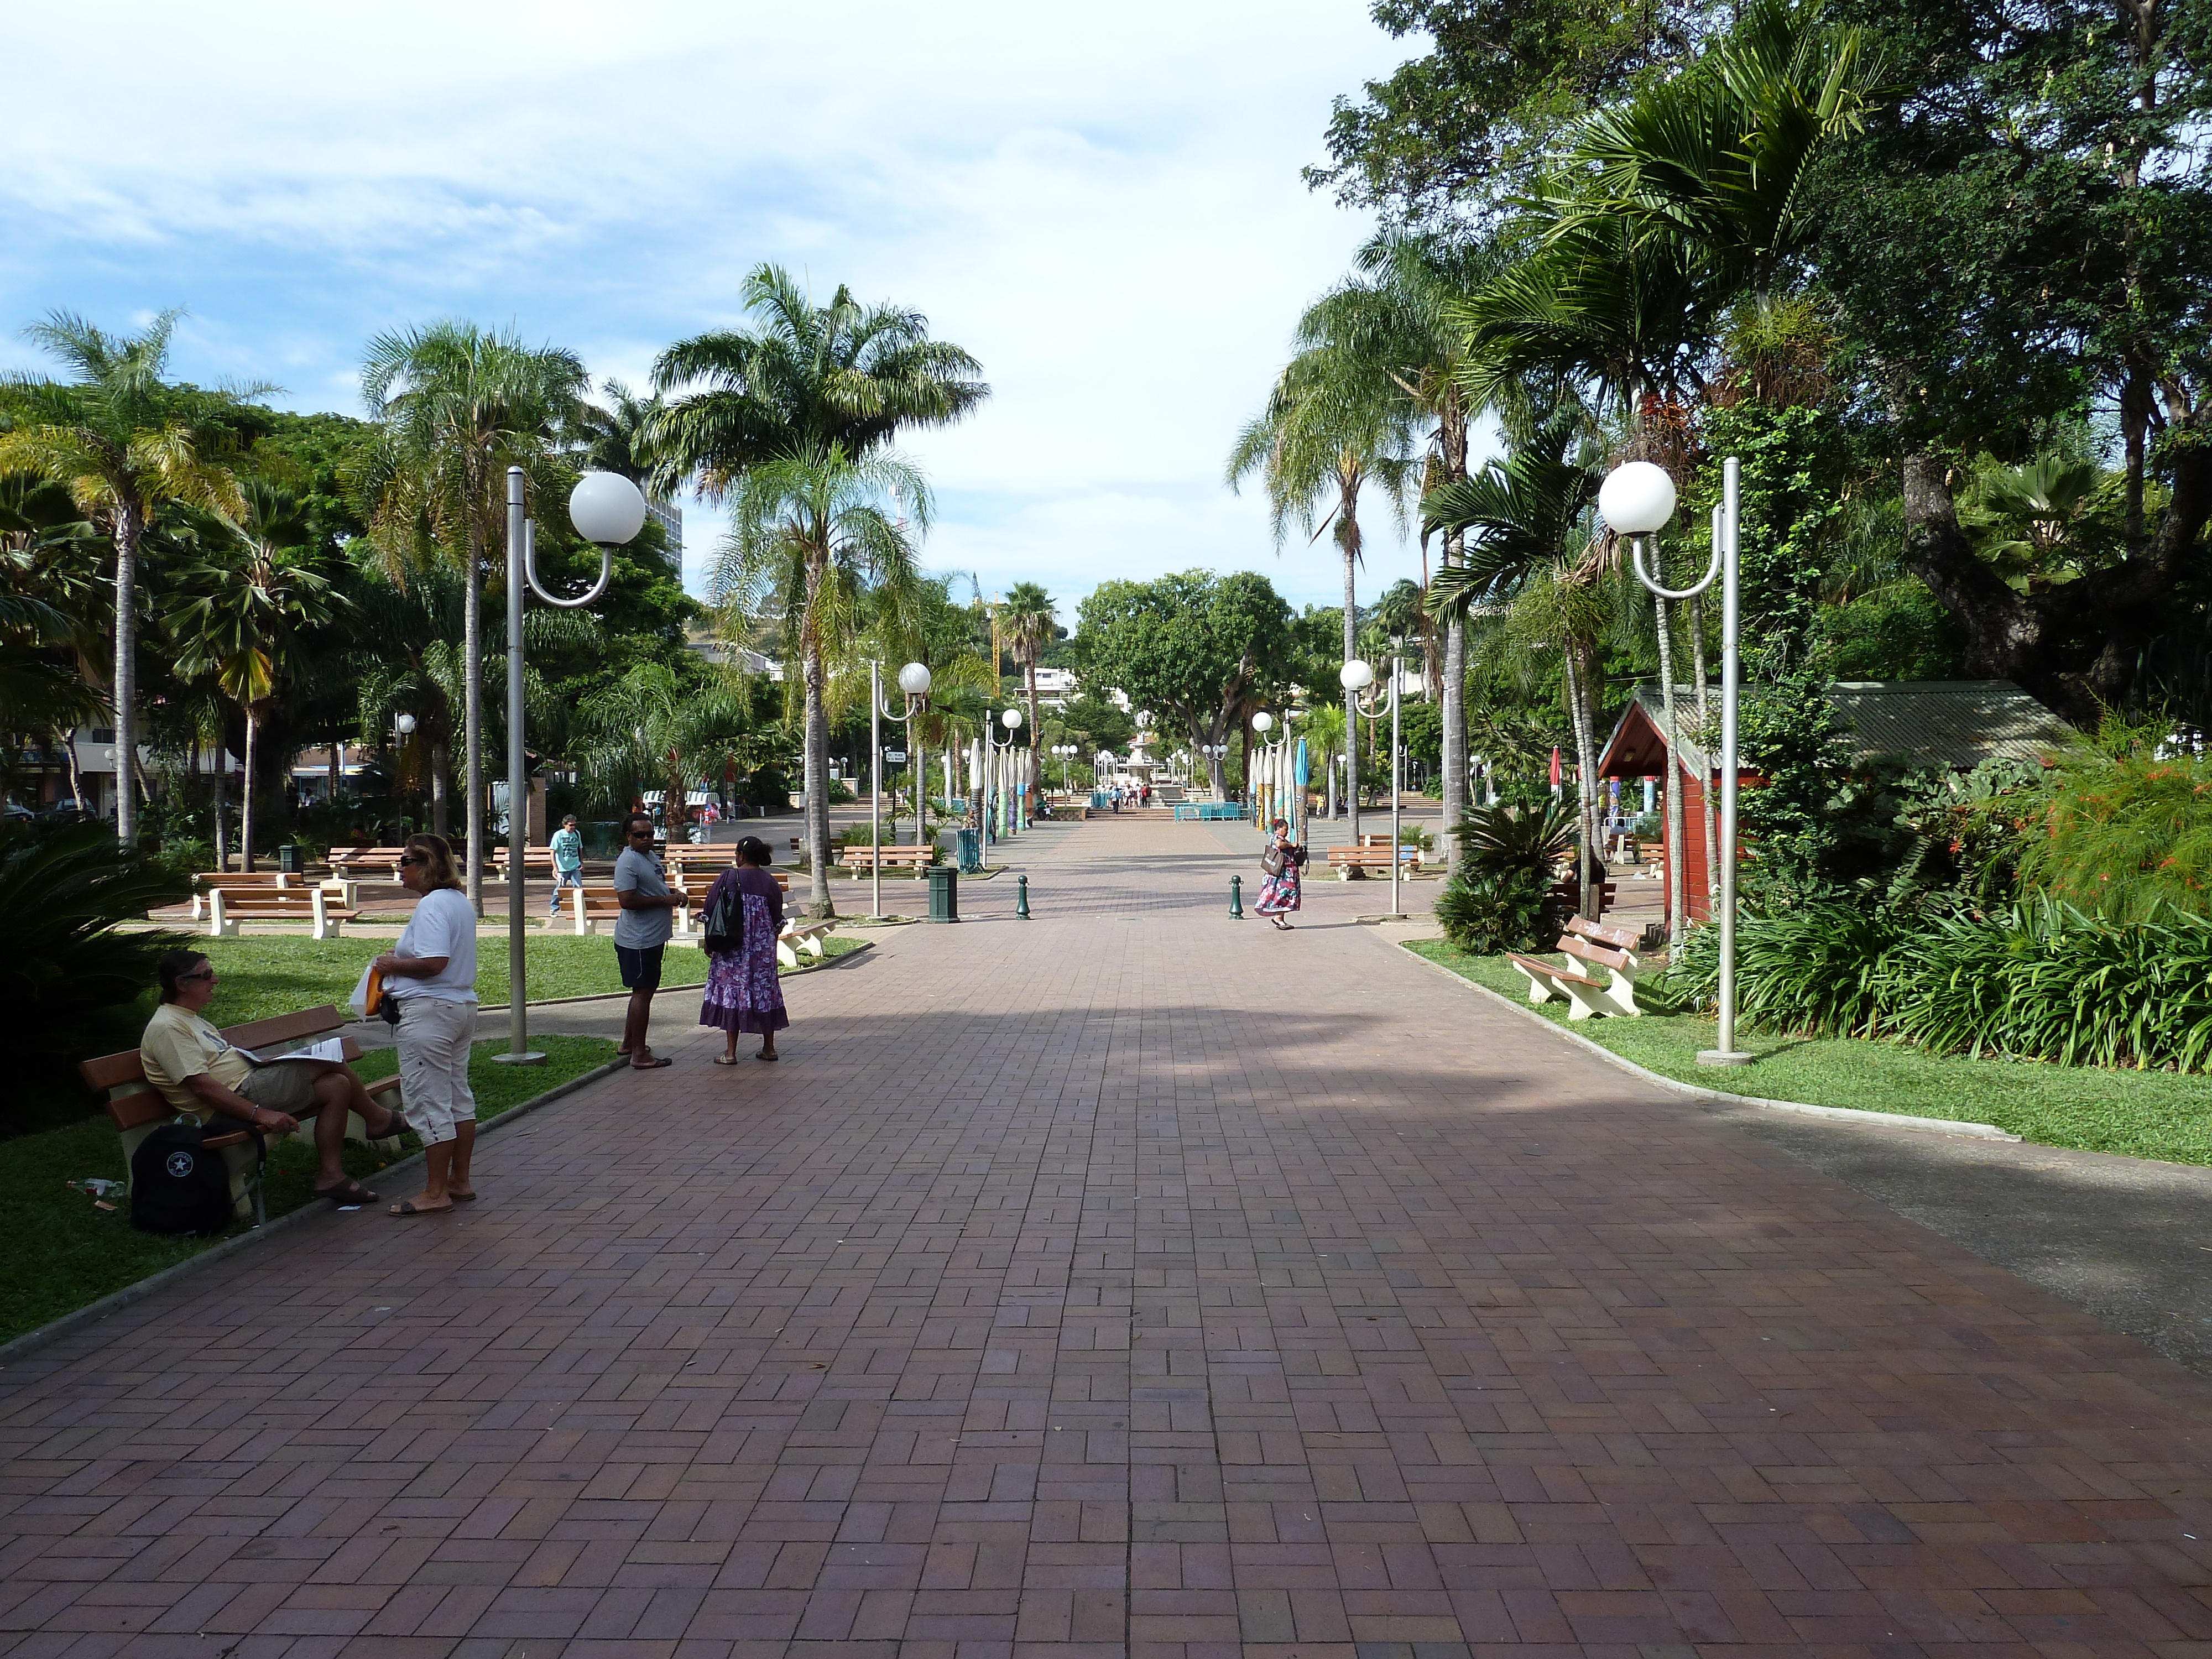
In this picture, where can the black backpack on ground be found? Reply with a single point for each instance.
(179, 1186)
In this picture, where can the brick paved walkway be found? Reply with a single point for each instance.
(1121, 1282)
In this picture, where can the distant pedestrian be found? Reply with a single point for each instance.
(1117, 798)
(1279, 867)
(641, 934)
(568, 862)
(745, 913)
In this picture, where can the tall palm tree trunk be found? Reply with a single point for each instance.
(441, 767)
(246, 796)
(1704, 715)
(1036, 762)
(1453, 710)
(1578, 676)
(1350, 698)
(129, 526)
(472, 699)
(818, 785)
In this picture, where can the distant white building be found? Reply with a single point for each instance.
(1055, 686)
(670, 518)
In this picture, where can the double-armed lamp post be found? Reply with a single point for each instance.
(607, 510)
(1637, 500)
(914, 681)
(1358, 681)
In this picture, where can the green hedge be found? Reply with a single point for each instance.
(2039, 981)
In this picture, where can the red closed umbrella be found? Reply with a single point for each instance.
(1555, 766)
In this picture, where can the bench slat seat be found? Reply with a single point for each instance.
(227, 907)
(1591, 945)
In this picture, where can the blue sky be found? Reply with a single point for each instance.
(1103, 204)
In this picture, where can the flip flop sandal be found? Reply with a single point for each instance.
(400, 1126)
(768, 1056)
(726, 1060)
(347, 1195)
(653, 1065)
(406, 1207)
(462, 1198)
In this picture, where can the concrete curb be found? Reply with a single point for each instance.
(1941, 1125)
(93, 1312)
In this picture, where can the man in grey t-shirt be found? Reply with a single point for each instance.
(641, 934)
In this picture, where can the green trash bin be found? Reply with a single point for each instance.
(944, 893)
(287, 861)
(970, 843)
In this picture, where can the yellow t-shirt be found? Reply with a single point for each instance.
(178, 1045)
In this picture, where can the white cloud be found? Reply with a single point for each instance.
(1103, 205)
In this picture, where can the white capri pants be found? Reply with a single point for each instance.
(435, 1037)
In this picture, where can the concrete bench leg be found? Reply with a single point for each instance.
(219, 925)
(1540, 988)
(1619, 995)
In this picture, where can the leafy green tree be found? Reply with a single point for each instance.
(1460, 133)
(656, 727)
(242, 614)
(1193, 644)
(809, 541)
(2024, 236)
(456, 406)
(129, 445)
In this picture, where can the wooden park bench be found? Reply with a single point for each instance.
(1569, 895)
(536, 860)
(1345, 860)
(347, 860)
(228, 905)
(237, 881)
(595, 904)
(799, 936)
(1613, 952)
(892, 858)
(137, 1108)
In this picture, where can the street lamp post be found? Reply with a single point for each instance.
(1270, 767)
(1009, 806)
(1066, 752)
(607, 511)
(914, 681)
(402, 727)
(1636, 501)
(1357, 679)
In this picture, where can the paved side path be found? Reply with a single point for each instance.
(1128, 1280)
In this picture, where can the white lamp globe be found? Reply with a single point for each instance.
(1355, 675)
(606, 508)
(1637, 498)
(1262, 721)
(1011, 720)
(405, 723)
(913, 679)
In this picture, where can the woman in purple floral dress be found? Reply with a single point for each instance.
(742, 992)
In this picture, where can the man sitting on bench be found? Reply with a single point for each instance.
(198, 1072)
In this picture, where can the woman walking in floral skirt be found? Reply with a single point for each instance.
(745, 913)
(1279, 871)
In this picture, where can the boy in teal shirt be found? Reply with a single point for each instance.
(568, 861)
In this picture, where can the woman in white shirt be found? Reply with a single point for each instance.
(432, 975)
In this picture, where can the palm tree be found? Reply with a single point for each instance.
(1521, 519)
(457, 406)
(128, 445)
(807, 377)
(237, 615)
(1396, 314)
(809, 537)
(618, 438)
(1030, 625)
(413, 666)
(651, 725)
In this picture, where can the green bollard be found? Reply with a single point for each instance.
(1021, 898)
(1235, 898)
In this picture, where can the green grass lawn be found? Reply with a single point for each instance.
(2161, 1115)
(262, 974)
(62, 1252)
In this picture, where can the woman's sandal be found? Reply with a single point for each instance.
(653, 1065)
(768, 1056)
(406, 1206)
(348, 1194)
(726, 1060)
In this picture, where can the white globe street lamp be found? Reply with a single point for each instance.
(1357, 679)
(1636, 501)
(914, 681)
(608, 510)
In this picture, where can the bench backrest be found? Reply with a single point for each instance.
(132, 1102)
(1621, 938)
(1582, 952)
(241, 878)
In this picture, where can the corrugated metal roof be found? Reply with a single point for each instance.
(1957, 723)
(1950, 723)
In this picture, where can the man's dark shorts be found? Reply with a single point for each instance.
(640, 970)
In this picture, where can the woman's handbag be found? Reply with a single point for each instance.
(1272, 862)
(725, 932)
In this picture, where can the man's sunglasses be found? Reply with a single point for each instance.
(203, 973)
(406, 859)
(634, 834)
